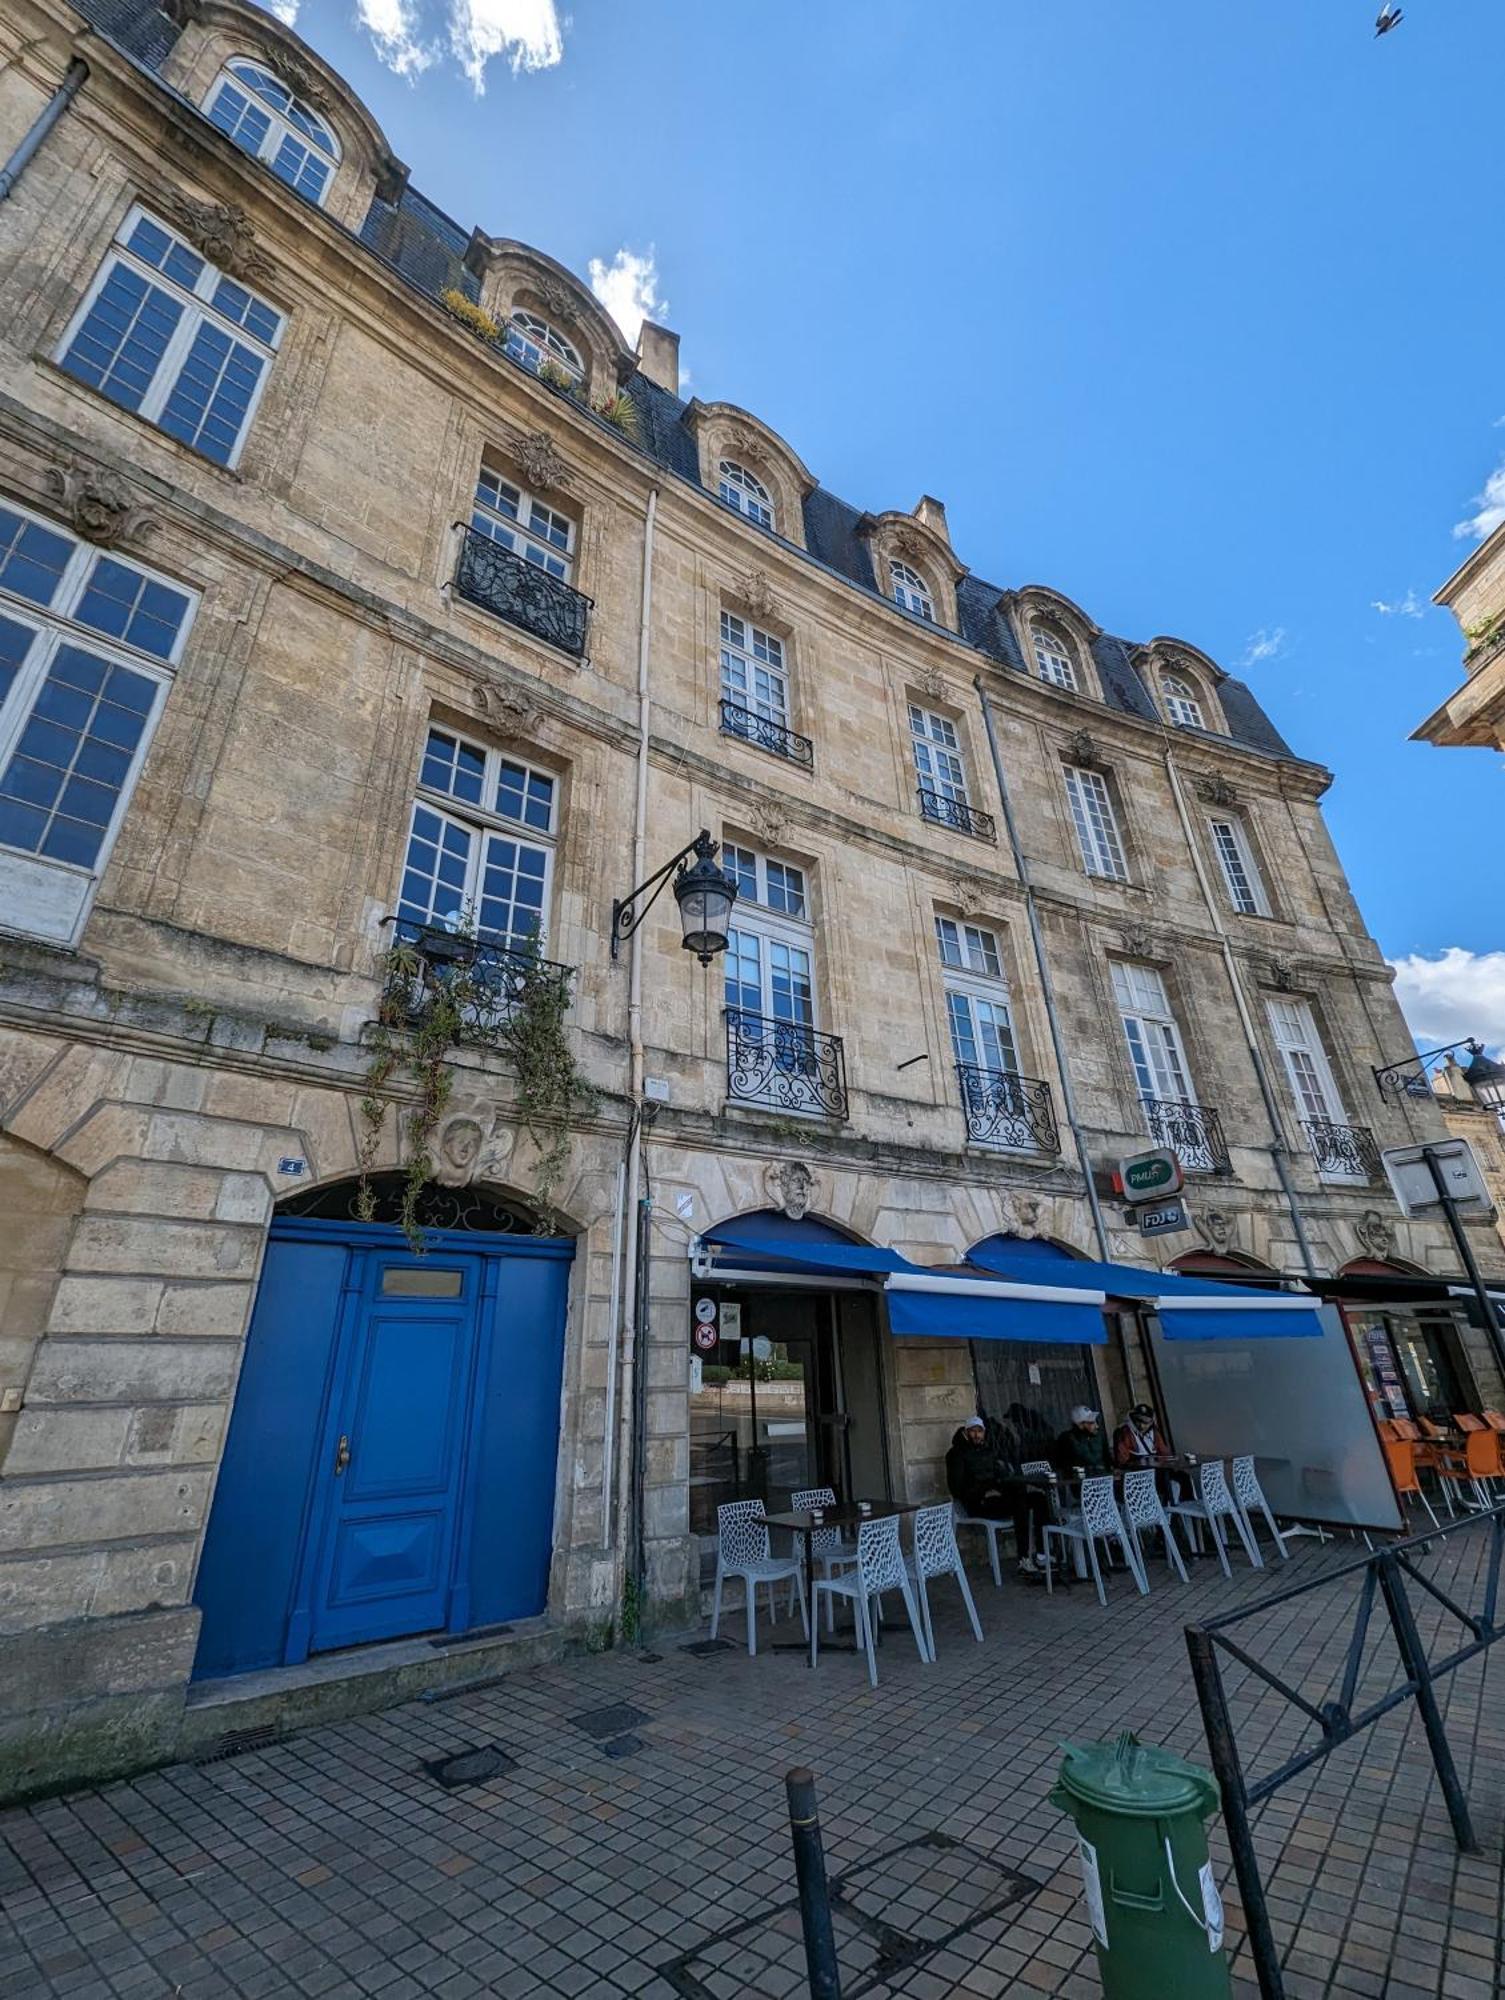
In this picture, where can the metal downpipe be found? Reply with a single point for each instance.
(42, 124)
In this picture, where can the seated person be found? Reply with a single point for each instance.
(1136, 1442)
(986, 1482)
(1080, 1453)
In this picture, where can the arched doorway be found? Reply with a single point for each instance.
(1227, 1267)
(389, 1469)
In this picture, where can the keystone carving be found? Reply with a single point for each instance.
(970, 894)
(1081, 747)
(457, 1152)
(1216, 1225)
(772, 820)
(512, 716)
(557, 300)
(538, 455)
(743, 443)
(791, 1188)
(1139, 941)
(299, 76)
(757, 593)
(1021, 1214)
(1375, 1235)
(931, 683)
(223, 232)
(99, 506)
(1282, 975)
(1216, 791)
(909, 548)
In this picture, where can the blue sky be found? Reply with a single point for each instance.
(1189, 309)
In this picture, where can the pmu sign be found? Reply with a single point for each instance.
(1150, 1176)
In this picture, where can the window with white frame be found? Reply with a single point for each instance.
(937, 761)
(743, 490)
(1314, 1088)
(88, 644)
(163, 333)
(1181, 703)
(541, 535)
(1096, 823)
(1161, 1073)
(538, 346)
(1053, 659)
(753, 672)
(258, 111)
(769, 965)
(977, 997)
(910, 590)
(480, 844)
(1241, 876)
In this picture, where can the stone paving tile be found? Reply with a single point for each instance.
(333, 1864)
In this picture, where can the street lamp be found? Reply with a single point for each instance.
(705, 894)
(1411, 1078)
(1486, 1079)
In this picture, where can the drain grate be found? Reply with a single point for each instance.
(236, 1743)
(613, 1721)
(702, 1649)
(470, 1767)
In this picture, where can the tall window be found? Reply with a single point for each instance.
(162, 332)
(937, 761)
(752, 670)
(1161, 1073)
(1241, 876)
(538, 346)
(263, 117)
(1053, 659)
(1096, 823)
(1181, 703)
(769, 952)
(743, 490)
(910, 590)
(977, 997)
(88, 642)
(481, 844)
(1314, 1087)
(539, 534)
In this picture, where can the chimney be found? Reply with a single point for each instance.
(932, 514)
(658, 356)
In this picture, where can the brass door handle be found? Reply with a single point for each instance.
(341, 1456)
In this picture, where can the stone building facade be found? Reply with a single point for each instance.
(1473, 716)
(357, 573)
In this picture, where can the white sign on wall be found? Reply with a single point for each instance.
(1415, 1189)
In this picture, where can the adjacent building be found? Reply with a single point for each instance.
(358, 584)
(1474, 716)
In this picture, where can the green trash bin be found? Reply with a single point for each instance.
(1151, 1898)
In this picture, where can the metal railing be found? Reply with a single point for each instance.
(1342, 1152)
(1337, 1719)
(494, 976)
(956, 813)
(1003, 1109)
(785, 1064)
(750, 727)
(503, 583)
(1192, 1131)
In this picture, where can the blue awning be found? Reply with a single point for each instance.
(772, 1244)
(1190, 1308)
(943, 1305)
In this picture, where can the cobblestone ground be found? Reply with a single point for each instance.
(637, 1842)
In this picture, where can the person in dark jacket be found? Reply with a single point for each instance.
(1136, 1442)
(985, 1480)
(1080, 1452)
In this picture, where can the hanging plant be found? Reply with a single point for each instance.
(549, 1082)
(621, 412)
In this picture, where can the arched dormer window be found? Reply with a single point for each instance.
(1181, 703)
(540, 347)
(1054, 658)
(743, 490)
(910, 589)
(262, 116)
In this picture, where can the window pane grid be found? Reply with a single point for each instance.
(1096, 825)
(459, 874)
(752, 670)
(513, 518)
(743, 490)
(910, 589)
(1238, 868)
(1054, 661)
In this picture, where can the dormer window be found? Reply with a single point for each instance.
(262, 116)
(742, 489)
(1053, 659)
(1181, 703)
(910, 590)
(539, 346)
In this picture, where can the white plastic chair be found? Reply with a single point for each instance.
(1099, 1521)
(991, 1530)
(1214, 1506)
(829, 1549)
(935, 1554)
(1249, 1494)
(879, 1567)
(1143, 1510)
(743, 1549)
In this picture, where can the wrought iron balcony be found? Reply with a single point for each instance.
(1342, 1152)
(773, 737)
(489, 978)
(1003, 1109)
(958, 814)
(1192, 1131)
(785, 1064)
(502, 583)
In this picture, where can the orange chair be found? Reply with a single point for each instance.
(1400, 1456)
(1405, 1428)
(1386, 1428)
(1493, 1418)
(1441, 1455)
(1485, 1462)
(1466, 1423)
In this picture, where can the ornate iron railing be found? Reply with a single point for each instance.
(502, 583)
(494, 976)
(785, 1064)
(1342, 1152)
(1192, 1131)
(1003, 1109)
(773, 737)
(956, 813)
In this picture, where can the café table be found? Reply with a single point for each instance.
(850, 1514)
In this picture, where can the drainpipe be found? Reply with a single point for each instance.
(1251, 1040)
(42, 124)
(1042, 966)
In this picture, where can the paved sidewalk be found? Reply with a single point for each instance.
(637, 1844)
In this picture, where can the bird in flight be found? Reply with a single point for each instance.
(1390, 16)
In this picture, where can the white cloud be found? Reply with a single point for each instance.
(393, 28)
(526, 32)
(1456, 994)
(628, 288)
(285, 10)
(1490, 509)
(1409, 606)
(1265, 644)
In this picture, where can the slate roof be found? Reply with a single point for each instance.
(427, 248)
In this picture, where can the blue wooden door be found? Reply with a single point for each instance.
(387, 1501)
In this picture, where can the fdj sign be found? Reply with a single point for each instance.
(1149, 1176)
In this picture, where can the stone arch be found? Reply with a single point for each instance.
(1036, 606)
(482, 1206)
(41, 1199)
(725, 430)
(516, 277)
(1382, 1267)
(1229, 1267)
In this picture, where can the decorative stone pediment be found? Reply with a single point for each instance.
(791, 1188)
(221, 230)
(99, 506)
(1216, 791)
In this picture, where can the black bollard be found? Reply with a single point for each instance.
(810, 1872)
